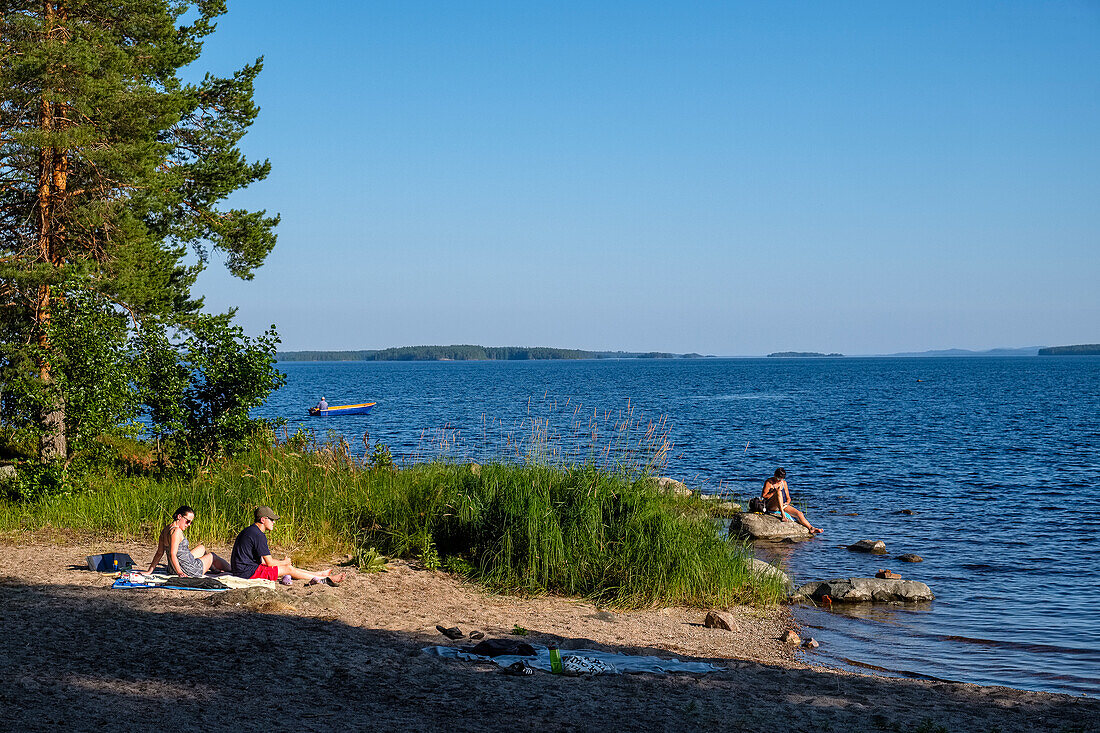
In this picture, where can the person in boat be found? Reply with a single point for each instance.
(777, 499)
(322, 405)
(185, 561)
(251, 557)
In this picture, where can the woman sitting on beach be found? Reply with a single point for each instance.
(777, 498)
(182, 559)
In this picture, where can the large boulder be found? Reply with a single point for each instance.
(759, 567)
(766, 527)
(864, 590)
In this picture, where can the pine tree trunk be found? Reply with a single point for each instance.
(52, 180)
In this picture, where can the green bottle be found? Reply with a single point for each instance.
(555, 659)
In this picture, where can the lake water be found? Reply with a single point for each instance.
(999, 458)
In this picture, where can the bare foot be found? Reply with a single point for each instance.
(338, 578)
(816, 530)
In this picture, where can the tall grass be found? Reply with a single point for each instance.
(558, 433)
(528, 527)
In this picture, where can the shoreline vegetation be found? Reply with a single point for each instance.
(526, 528)
(470, 352)
(1078, 350)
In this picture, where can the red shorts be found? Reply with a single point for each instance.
(267, 572)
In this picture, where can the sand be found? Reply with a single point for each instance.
(76, 655)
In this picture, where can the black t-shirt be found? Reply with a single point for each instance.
(248, 551)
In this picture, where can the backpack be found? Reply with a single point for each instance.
(757, 505)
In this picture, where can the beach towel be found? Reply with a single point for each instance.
(174, 583)
(163, 571)
(590, 661)
(164, 580)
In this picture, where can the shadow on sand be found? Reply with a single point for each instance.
(80, 659)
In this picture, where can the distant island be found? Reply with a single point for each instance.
(468, 352)
(798, 354)
(1078, 350)
(1025, 351)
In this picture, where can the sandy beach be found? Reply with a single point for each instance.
(77, 655)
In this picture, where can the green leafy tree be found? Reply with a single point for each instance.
(112, 168)
(200, 391)
(93, 369)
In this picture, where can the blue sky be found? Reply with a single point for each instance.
(721, 177)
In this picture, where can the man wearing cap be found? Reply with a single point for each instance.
(251, 557)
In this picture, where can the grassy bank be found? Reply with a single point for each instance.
(577, 531)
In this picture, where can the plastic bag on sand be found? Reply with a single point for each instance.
(578, 665)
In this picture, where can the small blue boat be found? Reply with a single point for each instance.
(337, 410)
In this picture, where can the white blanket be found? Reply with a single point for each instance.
(161, 575)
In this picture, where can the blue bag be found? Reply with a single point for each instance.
(110, 562)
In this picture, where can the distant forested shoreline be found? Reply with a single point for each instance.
(469, 352)
(1078, 350)
(798, 354)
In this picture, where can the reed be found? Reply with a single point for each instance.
(524, 527)
(560, 433)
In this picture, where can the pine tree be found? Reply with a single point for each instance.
(111, 169)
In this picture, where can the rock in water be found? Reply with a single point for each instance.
(875, 547)
(759, 567)
(865, 590)
(910, 557)
(810, 643)
(888, 574)
(791, 638)
(766, 527)
(719, 506)
(720, 620)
